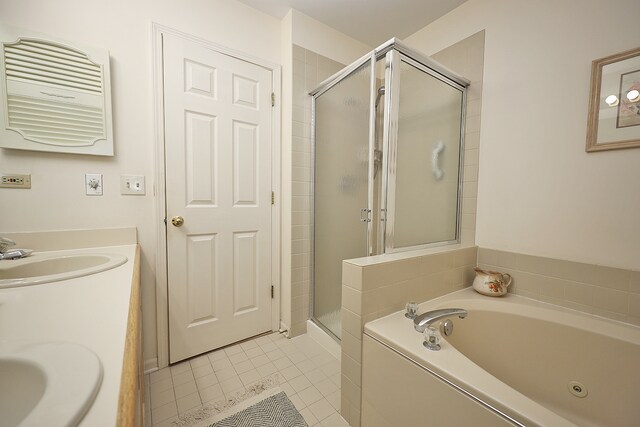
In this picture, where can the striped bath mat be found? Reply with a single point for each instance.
(261, 408)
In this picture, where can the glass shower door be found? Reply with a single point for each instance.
(340, 190)
(424, 148)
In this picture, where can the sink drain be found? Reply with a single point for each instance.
(577, 389)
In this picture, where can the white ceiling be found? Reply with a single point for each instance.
(371, 21)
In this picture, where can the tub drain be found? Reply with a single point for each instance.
(577, 389)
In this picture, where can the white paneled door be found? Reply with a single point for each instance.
(218, 131)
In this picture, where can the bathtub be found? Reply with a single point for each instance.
(511, 361)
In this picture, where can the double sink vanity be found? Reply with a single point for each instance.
(70, 331)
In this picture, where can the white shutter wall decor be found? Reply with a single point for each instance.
(54, 96)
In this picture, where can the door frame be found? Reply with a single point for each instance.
(161, 264)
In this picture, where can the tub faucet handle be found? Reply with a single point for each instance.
(412, 310)
(431, 338)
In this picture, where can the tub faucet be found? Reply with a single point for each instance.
(6, 251)
(424, 320)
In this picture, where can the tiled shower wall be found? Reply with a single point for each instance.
(309, 69)
(604, 291)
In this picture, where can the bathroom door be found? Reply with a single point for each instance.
(218, 131)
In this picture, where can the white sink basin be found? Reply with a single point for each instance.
(46, 384)
(36, 269)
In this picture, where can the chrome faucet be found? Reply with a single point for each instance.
(6, 251)
(424, 320)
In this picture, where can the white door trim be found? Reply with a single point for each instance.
(162, 306)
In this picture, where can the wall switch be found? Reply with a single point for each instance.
(14, 180)
(132, 185)
(93, 184)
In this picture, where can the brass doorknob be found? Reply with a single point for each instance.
(177, 221)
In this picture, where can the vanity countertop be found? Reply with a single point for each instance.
(91, 311)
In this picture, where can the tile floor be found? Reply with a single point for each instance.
(307, 373)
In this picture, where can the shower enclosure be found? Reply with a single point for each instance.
(388, 145)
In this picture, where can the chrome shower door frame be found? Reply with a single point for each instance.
(390, 142)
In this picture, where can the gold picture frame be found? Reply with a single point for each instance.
(614, 102)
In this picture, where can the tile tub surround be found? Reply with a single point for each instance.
(309, 69)
(376, 286)
(609, 292)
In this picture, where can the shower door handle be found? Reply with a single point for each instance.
(364, 215)
(438, 173)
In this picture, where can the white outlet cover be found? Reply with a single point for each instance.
(132, 185)
(93, 184)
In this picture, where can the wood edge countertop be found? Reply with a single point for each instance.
(130, 381)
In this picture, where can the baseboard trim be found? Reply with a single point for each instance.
(150, 365)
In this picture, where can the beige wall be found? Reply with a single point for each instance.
(56, 199)
(540, 193)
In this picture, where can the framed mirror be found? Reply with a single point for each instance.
(614, 102)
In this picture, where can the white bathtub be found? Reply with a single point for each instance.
(511, 361)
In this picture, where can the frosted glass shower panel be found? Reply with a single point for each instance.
(427, 159)
(340, 189)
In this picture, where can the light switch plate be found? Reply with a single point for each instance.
(132, 185)
(93, 184)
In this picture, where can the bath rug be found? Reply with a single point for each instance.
(263, 404)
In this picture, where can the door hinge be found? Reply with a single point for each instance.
(273, 99)
(273, 198)
(272, 291)
(165, 221)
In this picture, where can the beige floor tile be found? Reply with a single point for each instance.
(225, 374)
(202, 370)
(162, 398)
(220, 364)
(163, 412)
(185, 389)
(162, 374)
(334, 420)
(263, 340)
(290, 373)
(287, 389)
(161, 385)
(217, 355)
(269, 346)
(267, 369)
(183, 377)
(334, 400)
(308, 416)
(180, 368)
(250, 377)
(282, 363)
(331, 368)
(336, 379)
(321, 409)
(233, 350)
(275, 354)
(310, 395)
(166, 423)
(315, 376)
(200, 361)
(248, 345)
(297, 402)
(211, 394)
(297, 357)
(306, 366)
(206, 381)
(260, 360)
(243, 367)
(323, 359)
(238, 358)
(254, 352)
(231, 385)
(326, 387)
(299, 383)
(188, 402)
